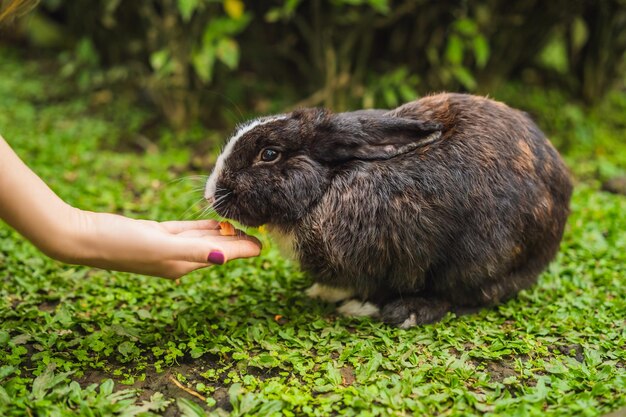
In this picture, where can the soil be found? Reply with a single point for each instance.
(162, 382)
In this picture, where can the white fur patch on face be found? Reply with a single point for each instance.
(211, 184)
(410, 322)
(328, 294)
(358, 308)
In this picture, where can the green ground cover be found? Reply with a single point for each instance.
(243, 339)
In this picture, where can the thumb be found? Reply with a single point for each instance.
(246, 247)
(207, 250)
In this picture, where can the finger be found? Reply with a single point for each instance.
(199, 233)
(182, 226)
(193, 266)
(217, 249)
(178, 269)
(242, 248)
(239, 234)
(238, 238)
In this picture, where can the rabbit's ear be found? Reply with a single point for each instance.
(373, 137)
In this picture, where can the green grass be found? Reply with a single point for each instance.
(79, 341)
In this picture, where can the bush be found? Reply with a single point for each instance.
(194, 58)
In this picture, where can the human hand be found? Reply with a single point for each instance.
(109, 241)
(167, 249)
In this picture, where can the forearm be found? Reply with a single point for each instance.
(31, 207)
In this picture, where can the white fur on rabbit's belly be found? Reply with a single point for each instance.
(285, 242)
(286, 245)
(328, 294)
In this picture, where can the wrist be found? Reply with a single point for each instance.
(102, 240)
(71, 233)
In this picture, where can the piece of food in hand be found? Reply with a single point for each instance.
(227, 229)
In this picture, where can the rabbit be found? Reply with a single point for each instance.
(450, 203)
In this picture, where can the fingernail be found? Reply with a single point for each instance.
(216, 257)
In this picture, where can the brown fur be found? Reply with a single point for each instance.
(450, 202)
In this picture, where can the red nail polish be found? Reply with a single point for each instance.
(216, 257)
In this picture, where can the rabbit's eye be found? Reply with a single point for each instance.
(269, 155)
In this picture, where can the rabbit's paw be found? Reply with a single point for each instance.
(413, 311)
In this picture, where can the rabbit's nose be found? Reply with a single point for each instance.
(210, 200)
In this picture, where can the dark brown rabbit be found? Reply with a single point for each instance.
(448, 203)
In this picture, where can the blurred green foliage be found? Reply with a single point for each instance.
(194, 58)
